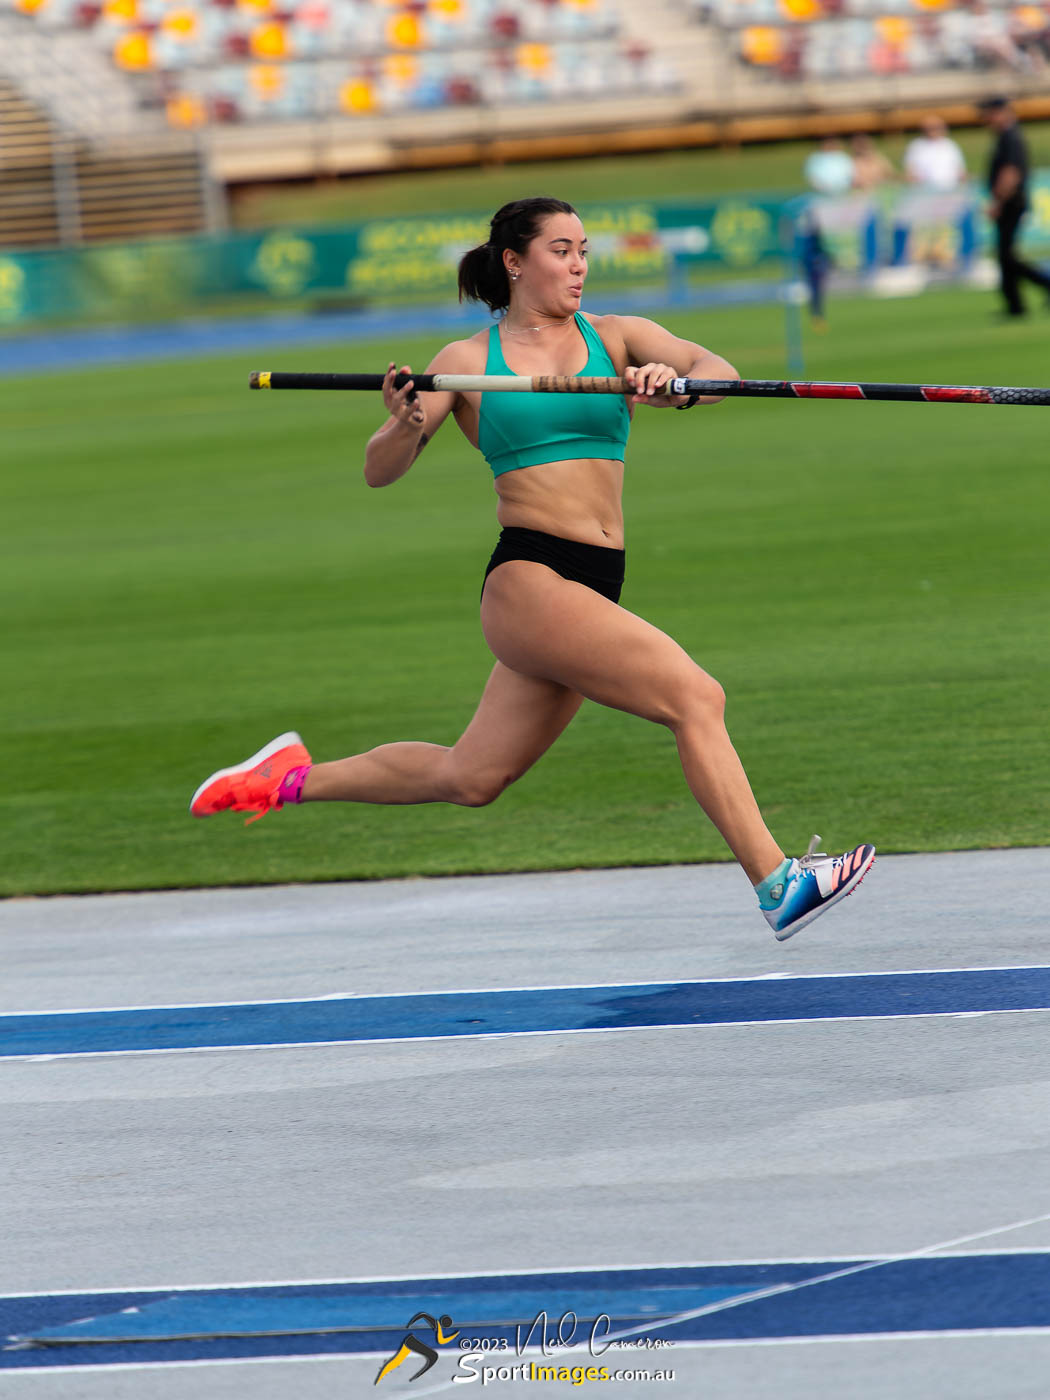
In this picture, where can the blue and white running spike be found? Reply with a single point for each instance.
(813, 884)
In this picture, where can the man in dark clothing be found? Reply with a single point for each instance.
(1008, 185)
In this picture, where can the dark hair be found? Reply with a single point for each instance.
(482, 276)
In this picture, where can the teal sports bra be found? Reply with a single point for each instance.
(523, 430)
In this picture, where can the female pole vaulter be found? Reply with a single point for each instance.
(550, 602)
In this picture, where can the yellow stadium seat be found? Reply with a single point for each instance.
(133, 52)
(401, 68)
(1031, 17)
(186, 110)
(762, 44)
(448, 11)
(267, 80)
(357, 96)
(270, 42)
(120, 11)
(801, 11)
(182, 25)
(404, 31)
(894, 30)
(535, 59)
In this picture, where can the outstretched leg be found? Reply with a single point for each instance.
(543, 625)
(517, 720)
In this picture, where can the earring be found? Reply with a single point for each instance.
(514, 276)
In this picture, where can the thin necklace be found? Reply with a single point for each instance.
(549, 326)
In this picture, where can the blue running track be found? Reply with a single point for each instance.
(811, 1298)
(526, 1011)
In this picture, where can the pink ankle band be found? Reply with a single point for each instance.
(291, 789)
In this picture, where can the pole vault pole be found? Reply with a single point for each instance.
(724, 388)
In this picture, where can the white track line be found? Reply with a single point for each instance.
(87, 1292)
(492, 1273)
(545, 987)
(783, 1288)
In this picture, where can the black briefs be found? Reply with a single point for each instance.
(594, 565)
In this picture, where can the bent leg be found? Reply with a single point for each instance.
(517, 720)
(543, 625)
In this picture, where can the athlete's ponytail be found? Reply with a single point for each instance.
(482, 275)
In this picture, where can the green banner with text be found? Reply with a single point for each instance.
(379, 262)
(385, 261)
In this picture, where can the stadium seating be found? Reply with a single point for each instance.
(243, 60)
(828, 40)
(345, 80)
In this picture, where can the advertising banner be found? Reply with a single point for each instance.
(382, 261)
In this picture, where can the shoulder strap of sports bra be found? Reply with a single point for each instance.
(496, 364)
(596, 346)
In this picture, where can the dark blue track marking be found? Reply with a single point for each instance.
(91, 346)
(930, 1294)
(439, 1015)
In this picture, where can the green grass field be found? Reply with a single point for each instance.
(190, 568)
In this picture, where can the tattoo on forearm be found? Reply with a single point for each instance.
(423, 440)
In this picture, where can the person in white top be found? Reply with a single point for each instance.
(933, 160)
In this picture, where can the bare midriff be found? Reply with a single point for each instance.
(579, 499)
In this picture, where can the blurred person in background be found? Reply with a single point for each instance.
(829, 170)
(870, 167)
(933, 160)
(815, 264)
(1008, 202)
